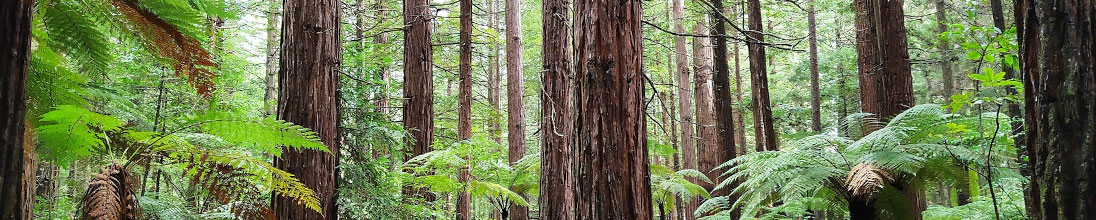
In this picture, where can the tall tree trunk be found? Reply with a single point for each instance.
(494, 74)
(685, 110)
(14, 62)
(763, 117)
(557, 198)
(707, 126)
(1057, 64)
(722, 101)
(945, 50)
(610, 127)
(816, 95)
(418, 80)
(739, 120)
(883, 57)
(884, 70)
(1013, 107)
(270, 99)
(464, 110)
(515, 95)
(308, 79)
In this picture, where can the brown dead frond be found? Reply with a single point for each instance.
(865, 179)
(110, 196)
(228, 184)
(189, 58)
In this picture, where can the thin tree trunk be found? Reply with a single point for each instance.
(14, 62)
(610, 126)
(515, 95)
(308, 80)
(763, 117)
(418, 80)
(270, 99)
(685, 111)
(557, 198)
(816, 95)
(1027, 38)
(464, 111)
(1013, 107)
(494, 75)
(381, 99)
(739, 120)
(945, 50)
(707, 127)
(721, 100)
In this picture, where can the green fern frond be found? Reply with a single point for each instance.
(50, 83)
(72, 132)
(74, 34)
(264, 134)
(484, 189)
(204, 162)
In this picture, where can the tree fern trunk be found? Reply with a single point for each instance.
(14, 62)
(308, 81)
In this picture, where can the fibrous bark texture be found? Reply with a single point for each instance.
(418, 79)
(557, 198)
(883, 58)
(270, 101)
(308, 82)
(610, 128)
(515, 94)
(1056, 53)
(708, 151)
(464, 109)
(721, 91)
(816, 94)
(14, 62)
(685, 101)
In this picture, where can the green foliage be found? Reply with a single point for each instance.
(267, 135)
(72, 132)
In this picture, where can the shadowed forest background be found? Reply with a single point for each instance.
(547, 109)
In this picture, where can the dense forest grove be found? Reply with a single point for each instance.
(547, 109)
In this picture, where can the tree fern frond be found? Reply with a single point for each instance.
(480, 188)
(72, 33)
(72, 132)
(865, 180)
(220, 170)
(110, 196)
(50, 83)
(264, 134)
(185, 53)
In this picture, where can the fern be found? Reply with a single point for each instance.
(264, 134)
(73, 132)
(50, 83)
(71, 32)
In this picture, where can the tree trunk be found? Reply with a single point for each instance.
(816, 95)
(884, 70)
(270, 99)
(464, 110)
(763, 117)
(610, 126)
(945, 50)
(1057, 62)
(557, 152)
(885, 79)
(494, 75)
(14, 62)
(739, 121)
(418, 80)
(381, 100)
(1013, 107)
(708, 153)
(685, 101)
(515, 95)
(721, 101)
(308, 79)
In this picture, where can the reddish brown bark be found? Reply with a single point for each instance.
(816, 95)
(763, 117)
(308, 80)
(464, 109)
(945, 50)
(610, 127)
(707, 151)
(557, 152)
(418, 80)
(883, 57)
(515, 95)
(494, 74)
(14, 62)
(1057, 58)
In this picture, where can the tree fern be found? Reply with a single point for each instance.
(264, 134)
(70, 31)
(73, 132)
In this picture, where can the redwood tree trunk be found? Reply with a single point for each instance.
(685, 101)
(494, 74)
(14, 62)
(884, 69)
(418, 80)
(708, 150)
(308, 79)
(610, 127)
(945, 50)
(1057, 64)
(557, 152)
(464, 109)
(515, 95)
(721, 88)
(763, 118)
(816, 95)
(883, 57)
